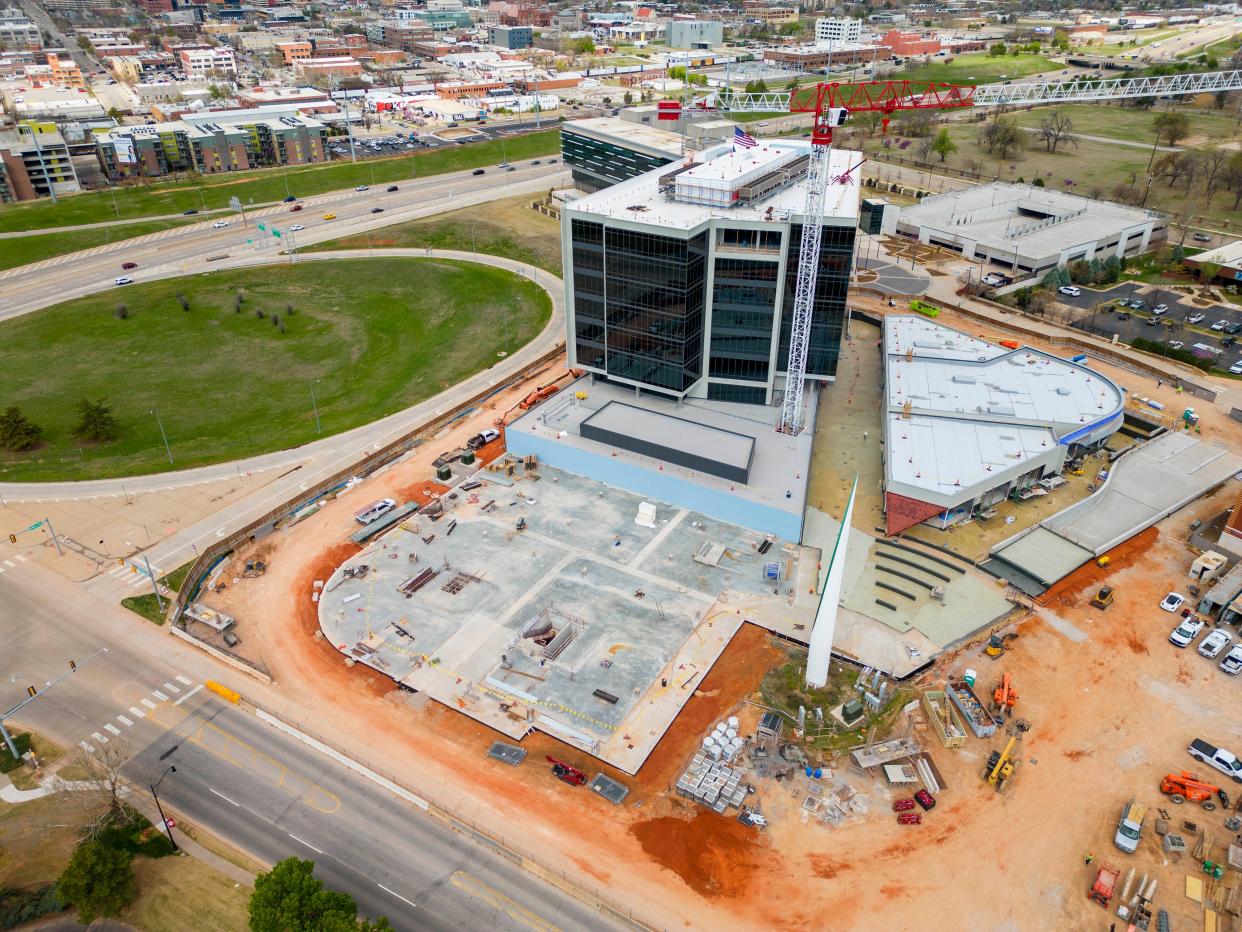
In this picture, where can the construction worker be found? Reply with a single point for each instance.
(1088, 859)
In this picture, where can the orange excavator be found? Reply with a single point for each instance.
(1184, 786)
(1005, 696)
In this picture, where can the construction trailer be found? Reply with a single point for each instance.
(973, 711)
(945, 721)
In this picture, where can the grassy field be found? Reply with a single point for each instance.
(22, 250)
(979, 68)
(1132, 124)
(1222, 49)
(175, 894)
(37, 839)
(269, 185)
(378, 334)
(507, 228)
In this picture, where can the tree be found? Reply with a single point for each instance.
(115, 114)
(18, 432)
(1001, 138)
(98, 881)
(943, 145)
(1172, 126)
(923, 150)
(1207, 272)
(997, 50)
(756, 87)
(627, 99)
(1054, 129)
(585, 46)
(289, 899)
(95, 422)
(1060, 40)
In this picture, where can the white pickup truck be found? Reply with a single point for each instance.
(1222, 760)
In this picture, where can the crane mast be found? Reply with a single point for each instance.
(831, 104)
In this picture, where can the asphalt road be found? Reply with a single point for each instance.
(243, 780)
(203, 247)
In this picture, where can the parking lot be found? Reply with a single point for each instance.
(393, 138)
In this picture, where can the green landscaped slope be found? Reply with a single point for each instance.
(268, 185)
(380, 335)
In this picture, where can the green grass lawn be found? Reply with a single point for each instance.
(1130, 123)
(378, 334)
(22, 250)
(268, 185)
(508, 228)
(979, 68)
(1221, 50)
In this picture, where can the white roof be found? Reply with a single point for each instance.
(1230, 254)
(976, 409)
(640, 199)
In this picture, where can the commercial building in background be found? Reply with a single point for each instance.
(511, 37)
(33, 159)
(1023, 229)
(838, 31)
(17, 31)
(200, 62)
(210, 147)
(294, 50)
(817, 57)
(694, 34)
(307, 69)
(968, 423)
(680, 281)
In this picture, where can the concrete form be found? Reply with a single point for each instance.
(584, 625)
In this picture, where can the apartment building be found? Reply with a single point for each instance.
(34, 158)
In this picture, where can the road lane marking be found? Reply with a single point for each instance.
(473, 886)
(111, 729)
(397, 895)
(137, 712)
(127, 722)
(98, 737)
(307, 843)
(184, 680)
(171, 688)
(159, 695)
(189, 694)
(148, 703)
(225, 798)
(87, 747)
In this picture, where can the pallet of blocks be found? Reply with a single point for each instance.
(712, 784)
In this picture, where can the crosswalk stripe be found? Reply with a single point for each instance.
(137, 712)
(127, 722)
(171, 687)
(10, 564)
(111, 729)
(159, 695)
(148, 703)
(98, 737)
(87, 747)
(184, 680)
(20, 558)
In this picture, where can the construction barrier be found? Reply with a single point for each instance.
(223, 691)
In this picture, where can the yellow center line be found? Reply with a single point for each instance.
(473, 886)
(228, 747)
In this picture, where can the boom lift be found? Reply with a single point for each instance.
(1001, 766)
(831, 105)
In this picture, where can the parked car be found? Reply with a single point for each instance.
(1224, 761)
(1215, 642)
(391, 188)
(1220, 325)
(1136, 305)
(1233, 328)
(1176, 344)
(123, 280)
(375, 511)
(296, 228)
(1160, 310)
(1186, 632)
(1195, 318)
(1172, 602)
(1124, 316)
(1232, 664)
(1236, 368)
(1201, 238)
(129, 265)
(1069, 290)
(219, 224)
(482, 438)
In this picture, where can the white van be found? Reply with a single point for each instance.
(375, 511)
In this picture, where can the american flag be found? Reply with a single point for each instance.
(743, 139)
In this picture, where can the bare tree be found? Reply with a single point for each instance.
(924, 149)
(1192, 167)
(1213, 161)
(1055, 129)
(104, 800)
(1001, 138)
(973, 165)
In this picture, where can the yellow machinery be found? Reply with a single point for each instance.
(997, 644)
(1104, 598)
(1001, 766)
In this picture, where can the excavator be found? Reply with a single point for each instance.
(1005, 696)
(1183, 786)
(997, 643)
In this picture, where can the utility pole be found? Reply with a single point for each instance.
(155, 586)
(315, 406)
(172, 768)
(33, 693)
(167, 448)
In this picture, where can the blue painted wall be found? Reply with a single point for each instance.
(657, 485)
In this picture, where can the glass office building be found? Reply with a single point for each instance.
(697, 301)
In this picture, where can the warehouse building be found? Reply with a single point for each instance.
(968, 423)
(1025, 231)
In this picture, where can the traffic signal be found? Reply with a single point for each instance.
(73, 667)
(120, 561)
(31, 691)
(12, 538)
(132, 568)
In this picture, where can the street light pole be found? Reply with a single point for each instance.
(167, 448)
(172, 768)
(315, 406)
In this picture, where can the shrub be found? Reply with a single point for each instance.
(1181, 355)
(18, 907)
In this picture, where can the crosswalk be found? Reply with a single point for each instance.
(133, 715)
(134, 575)
(6, 564)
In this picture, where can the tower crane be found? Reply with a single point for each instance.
(832, 103)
